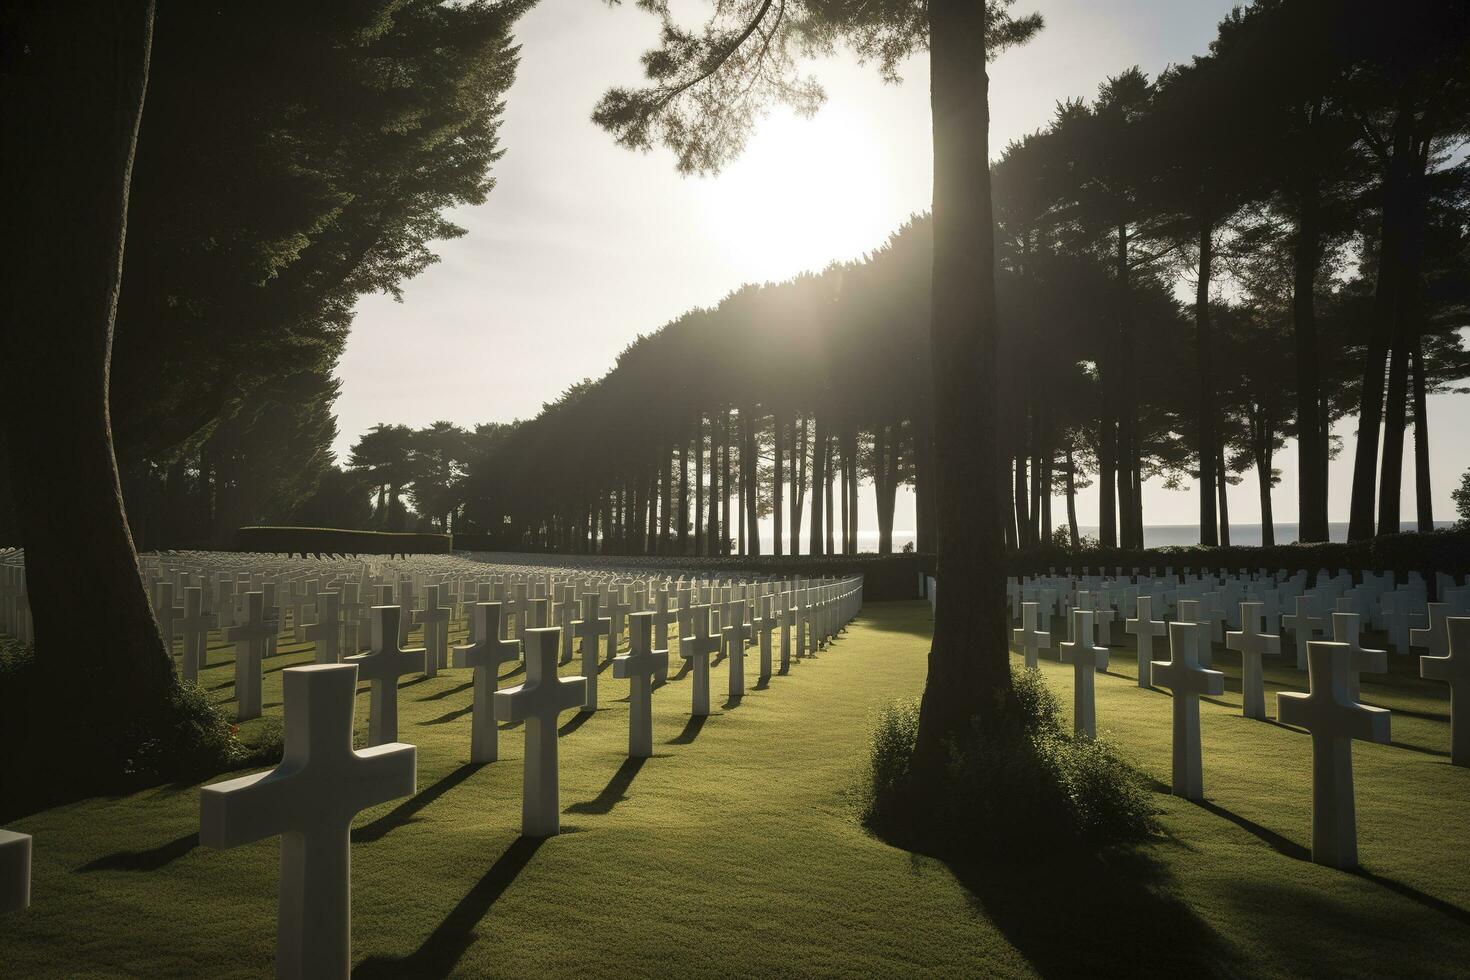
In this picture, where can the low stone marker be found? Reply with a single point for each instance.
(309, 801)
(251, 639)
(537, 703)
(700, 647)
(1086, 659)
(1187, 680)
(1333, 720)
(1028, 637)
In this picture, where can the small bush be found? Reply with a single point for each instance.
(1014, 789)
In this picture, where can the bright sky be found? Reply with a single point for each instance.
(583, 245)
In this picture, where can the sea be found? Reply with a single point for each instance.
(1154, 535)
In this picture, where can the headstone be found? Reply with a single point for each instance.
(639, 666)
(15, 871)
(1252, 644)
(1333, 721)
(700, 646)
(1304, 624)
(589, 628)
(251, 639)
(195, 626)
(309, 801)
(1454, 669)
(383, 664)
(1086, 659)
(435, 620)
(1029, 638)
(1145, 628)
(485, 656)
(1187, 680)
(764, 625)
(734, 635)
(1345, 627)
(325, 633)
(537, 703)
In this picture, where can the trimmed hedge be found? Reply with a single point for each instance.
(337, 541)
(1446, 550)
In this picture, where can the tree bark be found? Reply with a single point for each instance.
(969, 664)
(1223, 482)
(1208, 531)
(699, 483)
(1072, 502)
(1423, 498)
(723, 541)
(829, 450)
(71, 103)
(1262, 427)
(798, 490)
(684, 496)
(751, 463)
(777, 485)
(1311, 420)
(819, 483)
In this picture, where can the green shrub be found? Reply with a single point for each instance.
(1014, 789)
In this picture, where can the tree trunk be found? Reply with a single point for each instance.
(751, 462)
(1422, 497)
(1127, 394)
(969, 665)
(1208, 531)
(72, 101)
(798, 490)
(666, 505)
(829, 450)
(1405, 337)
(1311, 419)
(852, 491)
(1022, 499)
(777, 488)
(698, 483)
(819, 483)
(724, 538)
(842, 467)
(924, 488)
(683, 529)
(1262, 427)
(1224, 501)
(1072, 502)
(1107, 529)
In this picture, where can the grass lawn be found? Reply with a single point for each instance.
(735, 850)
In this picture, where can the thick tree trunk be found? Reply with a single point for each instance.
(852, 492)
(724, 537)
(829, 451)
(71, 103)
(969, 666)
(1127, 393)
(1405, 338)
(1311, 420)
(924, 487)
(1263, 426)
(751, 463)
(1423, 498)
(1208, 531)
(842, 468)
(1010, 541)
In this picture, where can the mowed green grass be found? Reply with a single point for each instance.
(736, 850)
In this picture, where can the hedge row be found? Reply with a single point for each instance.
(1446, 550)
(336, 541)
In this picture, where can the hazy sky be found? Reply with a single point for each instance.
(583, 245)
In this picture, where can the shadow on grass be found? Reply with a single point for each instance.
(405, 811)
(1413, 894)
(1027, 903)
(614, 792)
(150, 860)
(449, 716)
(447, 943)
(691, 730)
(733, 701)
(578, 720)
(446, 693)
(1278, 843)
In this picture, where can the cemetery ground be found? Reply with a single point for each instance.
(737, 849)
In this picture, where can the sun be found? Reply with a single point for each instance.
(804, 193)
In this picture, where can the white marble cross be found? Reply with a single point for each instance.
(1434, 637)
(763, 626)
(195, 626)
(1145, 627)
(435, 620)
(1086, 659)
(167, 614)
(734, 635)
(1345, 627)
(1187, 680)
(383, 664)
(326, 632)
(1333, 720)
(662, 617)
(1028, 637)
(700, 646)
(784, 620)
(1304, 624)
(537, 703)
(309, 801)
(1252, 644)
(1454, 669)
(486, 655)
(566, 616)
(589, 628)
(250, 638)
(15, 871)
(639, 665)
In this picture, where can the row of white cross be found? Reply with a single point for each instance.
(1329, 710)
(310, 799)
